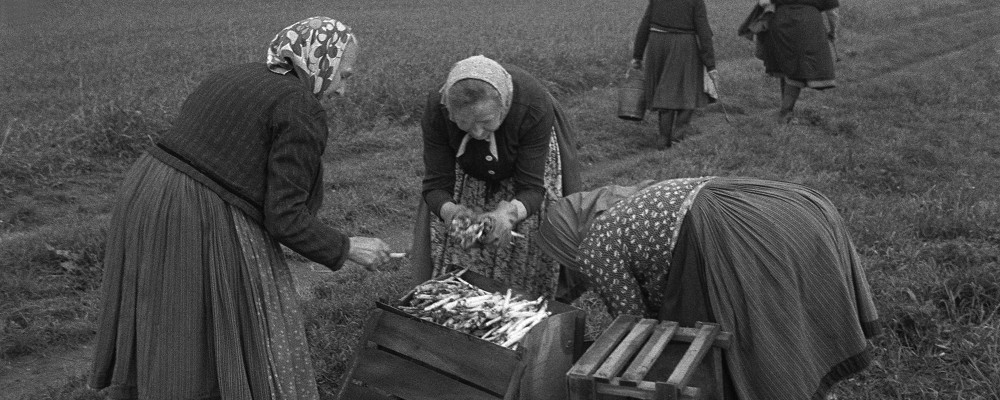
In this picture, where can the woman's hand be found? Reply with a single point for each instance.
(504, 217)
(368, 252)
(636, 64)
(450, 211)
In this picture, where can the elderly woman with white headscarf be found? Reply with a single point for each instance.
(496, 144)
(197, 298)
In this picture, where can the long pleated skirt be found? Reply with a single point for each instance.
(674, 75)
(772, 262)
(197, 299)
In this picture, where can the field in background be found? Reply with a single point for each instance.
(905, 147)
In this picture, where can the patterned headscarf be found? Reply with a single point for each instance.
(567, 221)
(489, 71)
(312, 47)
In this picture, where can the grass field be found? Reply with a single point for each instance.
(906, 147)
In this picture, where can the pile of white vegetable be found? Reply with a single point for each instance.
(499, 318)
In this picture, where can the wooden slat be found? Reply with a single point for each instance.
(603, 346)
(472, 359)
(700, 346)
(353, 391)
(688, 334)
(626, 350)
(667, 391)
(645, 390)
(411, 381)
(649, 353)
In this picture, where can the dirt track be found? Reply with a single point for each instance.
(916, 44)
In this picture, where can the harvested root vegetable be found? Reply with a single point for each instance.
(500, 318)
(468, 230)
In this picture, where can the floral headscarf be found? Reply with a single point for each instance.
(312, 47)
(489, 71)
(567, 221)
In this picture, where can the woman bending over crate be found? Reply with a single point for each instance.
(198, 300)
(496, 145)
(771, 262)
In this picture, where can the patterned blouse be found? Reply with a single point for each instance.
(627, 252)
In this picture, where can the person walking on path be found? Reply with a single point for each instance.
(673, 45)
(797, 47)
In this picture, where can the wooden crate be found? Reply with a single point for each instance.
(403, 357)
(632, 359)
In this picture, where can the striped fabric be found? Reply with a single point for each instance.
(198, 301)
(771, 262)
(782, 274)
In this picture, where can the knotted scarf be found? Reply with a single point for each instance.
(312, 48)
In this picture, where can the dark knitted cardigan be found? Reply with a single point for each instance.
(256, 139)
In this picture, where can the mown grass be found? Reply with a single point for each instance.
(905, 148)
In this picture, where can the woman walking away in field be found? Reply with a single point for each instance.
(495, 140)
(198, 301)
(674, 41)
(771, 262)
(797, 48)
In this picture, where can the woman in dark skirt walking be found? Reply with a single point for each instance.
(797, 48)
(674, 46)
(772, 262)
(197, 298)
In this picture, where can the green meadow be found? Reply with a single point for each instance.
(906, 146)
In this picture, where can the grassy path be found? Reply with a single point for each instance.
(373, 177)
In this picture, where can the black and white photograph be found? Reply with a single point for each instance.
(500, 200)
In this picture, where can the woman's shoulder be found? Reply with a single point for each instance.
(521, 77)
(253, 77)
(433, 109)
(822, 5)
(529, 91)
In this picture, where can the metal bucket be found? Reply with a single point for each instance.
(632, 97)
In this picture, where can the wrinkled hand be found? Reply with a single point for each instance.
(450, 211)
(463, 224)
(635, 64)
(503, 219)
(368, 252)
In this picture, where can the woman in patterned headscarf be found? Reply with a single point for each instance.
(197, 298)
(496, 144)
(771, 262)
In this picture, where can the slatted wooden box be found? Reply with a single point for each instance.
(403, 357)
(649, 359)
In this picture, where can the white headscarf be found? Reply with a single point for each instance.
(489, 71)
